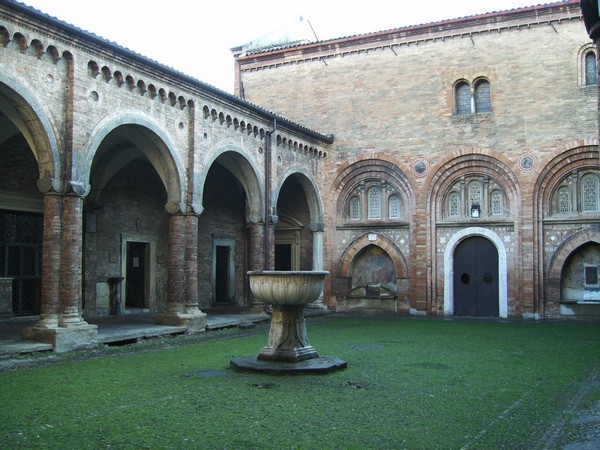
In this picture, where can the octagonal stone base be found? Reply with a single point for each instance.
(63, 339)
(323, 364)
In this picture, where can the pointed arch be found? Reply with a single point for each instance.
(345, 264)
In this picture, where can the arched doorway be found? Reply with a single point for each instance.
(476, 279)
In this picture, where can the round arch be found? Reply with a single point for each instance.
(32, 119)
(449, 268)
(233, 158)
(161, 153)
(310, 188)
(345, 264)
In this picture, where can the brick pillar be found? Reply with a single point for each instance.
(182, 288)
(50, 306)
(256, 260)
(71, 262)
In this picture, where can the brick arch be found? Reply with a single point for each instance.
(472, 164)
(380, 241)
(565, 250)
(354, 172)
(583, 155)
(32, 119)
(161, 152)
(311, 190)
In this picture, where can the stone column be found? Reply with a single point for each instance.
(317, 235)
(182, 296)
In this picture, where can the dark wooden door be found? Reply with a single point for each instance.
(136, 275)
(476, 278)
(283, 256)
(222, 274)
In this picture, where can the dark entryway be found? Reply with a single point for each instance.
(476, 278)
(283, 256)
(223, 253)
(135, 296)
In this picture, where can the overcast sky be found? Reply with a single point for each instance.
(195, 37)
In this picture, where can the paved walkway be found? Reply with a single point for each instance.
(126, 328)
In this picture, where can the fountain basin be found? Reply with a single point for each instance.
(288, 349)
(287, 288)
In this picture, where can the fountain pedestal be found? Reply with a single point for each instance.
(288, 349)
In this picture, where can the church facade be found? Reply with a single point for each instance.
(442, 169)
(465, 176)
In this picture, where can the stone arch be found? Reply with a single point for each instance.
(449, 268)
(246, 172)
(345, 265)
(570, 245)
(161, 153)
(32, 119)
(311, 191)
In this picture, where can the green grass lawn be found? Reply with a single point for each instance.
(410, 383)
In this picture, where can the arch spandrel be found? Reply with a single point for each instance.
(148, 136)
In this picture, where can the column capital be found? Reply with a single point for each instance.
(317, 226)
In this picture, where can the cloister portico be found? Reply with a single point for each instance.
(155, 189)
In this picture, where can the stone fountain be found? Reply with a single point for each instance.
(288, 349)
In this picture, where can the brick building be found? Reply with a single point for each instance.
(464, 178)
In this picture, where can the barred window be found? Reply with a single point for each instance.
(453, 205)
(394, 207)
(497, 204)
(589, 193)
(354, 208)
(591, 74)
(564, 200)
(483, 101)
(374, 203)
(463, 98)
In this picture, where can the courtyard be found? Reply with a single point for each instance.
(410, 383)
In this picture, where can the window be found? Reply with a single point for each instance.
(463, 98)
(590, 276)
(374, 203)
(591, 74)
(394, 207)
(454, 204)
(474, 193)
(483, 102)
(589, 193)
(564, 200)
(472, 99)
(354, 208)
(497, 206)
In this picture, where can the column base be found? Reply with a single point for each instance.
(194, 322)
(63, 339)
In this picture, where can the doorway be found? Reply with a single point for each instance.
(476, 275)
(136, 278)
(283, 256)
(223, 270)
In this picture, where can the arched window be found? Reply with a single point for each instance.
(589, 193)
(354, 208)
(474, 193)
(564, 200)
(394, 207)
(483, 100)
(374, 203)
(453, 205)
(497, 203)
(463, 98)
(591, 74)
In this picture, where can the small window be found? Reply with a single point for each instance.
(591, 275)
(564, 200)
(374, 203)
(483, 101)
(354, 208)
(497, 204)
(453, 205)
(394, 207)
(474, 193)
(463, 98)
(589, 193)
(591, 74)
